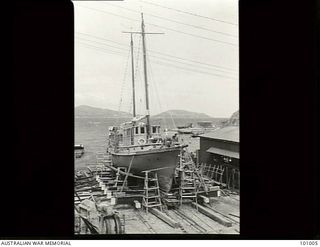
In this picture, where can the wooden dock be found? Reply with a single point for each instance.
(214, 212)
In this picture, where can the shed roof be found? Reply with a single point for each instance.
(229, 133)
(223, 152)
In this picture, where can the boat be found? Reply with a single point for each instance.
(185, 126)
(206, 125)
(78, 150)
(139, 146)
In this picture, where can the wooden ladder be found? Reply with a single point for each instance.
(120, 178)
(151, 197)
(188, 187)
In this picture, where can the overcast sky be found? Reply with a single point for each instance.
(192, 66)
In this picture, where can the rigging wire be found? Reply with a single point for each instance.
(167, 28)
(189, 13)
(157, 94)
(172, 65)
(102, 43)
(175, 21)
(101, 49)
(122, 87)
(197, 71)
(166, 59)
(164, 54)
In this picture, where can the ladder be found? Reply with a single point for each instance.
(120, 178)
(187, 163)
(151, 197)
(188, 186)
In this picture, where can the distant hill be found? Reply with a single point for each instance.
(234, 120)
(181, 114)
(95, 112)
(85, 111)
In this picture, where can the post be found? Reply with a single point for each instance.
(143, 33)
(145, 77)
(132, 73)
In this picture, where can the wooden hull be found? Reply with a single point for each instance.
(151, 159)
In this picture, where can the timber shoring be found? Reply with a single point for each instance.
(213, 215)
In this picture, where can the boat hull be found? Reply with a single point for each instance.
(167, 158)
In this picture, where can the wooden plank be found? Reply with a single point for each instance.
(211, 214)
(165, 218)
(223, 215)
(235, 215)
(214, 188)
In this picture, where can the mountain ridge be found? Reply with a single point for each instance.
(90, 111)
(181, 114)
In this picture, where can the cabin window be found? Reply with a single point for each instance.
(142, 130)
(137, 130)
(154, 129)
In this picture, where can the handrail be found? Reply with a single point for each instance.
(144, 145)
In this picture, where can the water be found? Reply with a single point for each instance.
(93, 132)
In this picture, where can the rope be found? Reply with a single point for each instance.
(122, 87)
(155, 83)
(173, 122)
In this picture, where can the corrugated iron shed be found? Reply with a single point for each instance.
(229, 133)
(224, 152)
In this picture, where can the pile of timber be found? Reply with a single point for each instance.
(86, 186)
(170, 199)
(85, 182)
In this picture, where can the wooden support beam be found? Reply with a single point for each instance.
(212, 215)
(223, 215)
(112, 201)
(213, 194)
(164, 217)
(123, 173)
(235, 215)
(214, 188)
(204, 199)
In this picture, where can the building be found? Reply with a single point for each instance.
(221, 148)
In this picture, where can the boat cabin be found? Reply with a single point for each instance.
(130, 134)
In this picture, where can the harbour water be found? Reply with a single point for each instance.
(93, 132)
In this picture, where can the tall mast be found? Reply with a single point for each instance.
(143, 33)
(145, 77)
(132, 73)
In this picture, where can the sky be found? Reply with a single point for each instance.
(192, 66)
